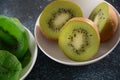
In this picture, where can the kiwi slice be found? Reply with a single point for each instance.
(10, 67)
(79, 39)
(106, 20)
(13, 36)
(25, 59)
(55, 15)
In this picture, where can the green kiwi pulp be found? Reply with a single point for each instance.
(79, 40)
(10, 67)
(55, 15)
(99, 15)
(25, 59)
(13, 36)
(7, 41)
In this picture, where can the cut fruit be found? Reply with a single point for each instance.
(106, 20)
(10, 67)
(13, 36)
(79, 39)
(26, 59)
(55, 15)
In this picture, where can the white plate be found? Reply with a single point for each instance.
(51, 48)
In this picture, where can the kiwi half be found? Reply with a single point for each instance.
(55, 15)
(10, 67)
(79, 39)
(13, 36)
(106, 20)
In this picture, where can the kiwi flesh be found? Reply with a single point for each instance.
(79, 39)
(55, 15)
(106, 20)
(25, 59)
(10, 67)
(13, 36)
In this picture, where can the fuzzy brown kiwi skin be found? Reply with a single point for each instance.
(88, 21)
(110, 26)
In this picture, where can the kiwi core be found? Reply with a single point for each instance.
(55, 15)
(59, 19)
(78, 40)
(8, 41)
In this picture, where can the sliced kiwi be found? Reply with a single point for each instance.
(106, 20)
(55, 15)
(25, 59)
(10, 67)
(79, 39)
(13, 36)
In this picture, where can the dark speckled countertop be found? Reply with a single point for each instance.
(45, 68)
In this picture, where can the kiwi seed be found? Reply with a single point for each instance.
(55, 15)
(83, 45)
(106, 20)
(77, 37)
(60, 11)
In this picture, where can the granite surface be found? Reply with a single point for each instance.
(45, 68)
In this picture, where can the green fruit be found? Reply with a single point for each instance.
(55, 15)
(13, 36)
(106, 20)
(79, 39)
(26, 59)
(10, 67)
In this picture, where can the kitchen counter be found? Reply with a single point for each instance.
(45, 68)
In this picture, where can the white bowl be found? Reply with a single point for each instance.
(51, 48)
(33, 50)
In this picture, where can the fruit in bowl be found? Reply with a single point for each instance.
(77, 38)
(13, 36)
(55, 15)
(106, 20)
(15, 49)
(58, 51)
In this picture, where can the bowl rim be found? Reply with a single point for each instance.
(33, 58)
(78, 63)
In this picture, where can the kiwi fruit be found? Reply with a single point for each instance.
(55, 15)
(25, 59)
(106, 20)
(10, 67)
(79, 39)
(13, 37)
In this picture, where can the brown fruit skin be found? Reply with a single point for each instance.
(110, 26)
